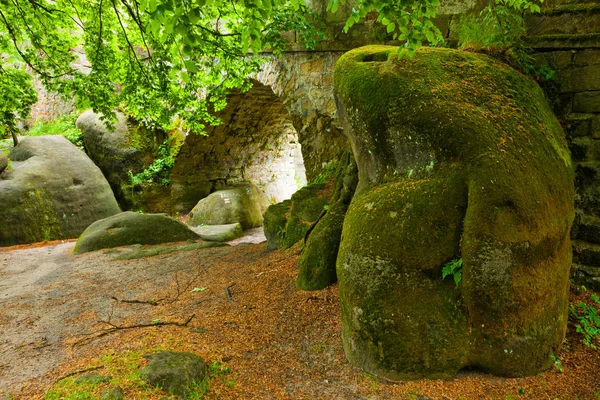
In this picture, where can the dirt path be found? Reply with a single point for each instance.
(43, 291)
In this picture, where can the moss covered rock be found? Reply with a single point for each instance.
(459, 156)
(318, 259)
(174, 372)
(127, 148)
(237, 204)
(274, 223)
(132, 228)
(287, 222)
(307, 204)
(54, 191)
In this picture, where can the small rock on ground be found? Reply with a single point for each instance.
(115, 393)
(174, 372)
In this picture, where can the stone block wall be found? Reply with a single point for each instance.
(566, 36)
(256, 143)
(304, 82)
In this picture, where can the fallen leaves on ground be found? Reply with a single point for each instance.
(282, 343)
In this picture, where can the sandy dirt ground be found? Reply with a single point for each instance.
(43, 289)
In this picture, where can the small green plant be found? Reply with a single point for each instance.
(498, 27)
(498, 30)
(453, 268)
(214, 370)
(557, 364)
(218, 369)
(63, 125)
(159, 170)
(329, 170)
(124, 370)
(587, 320)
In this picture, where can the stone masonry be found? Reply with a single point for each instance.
(566, 35)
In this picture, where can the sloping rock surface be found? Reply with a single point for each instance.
(241, 204)
(132, 228)
(54, 191)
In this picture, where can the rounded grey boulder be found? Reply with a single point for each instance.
(237, 204)
(54, 191)
(129, 148)
(132, 228)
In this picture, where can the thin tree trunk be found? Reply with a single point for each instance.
(14, 137)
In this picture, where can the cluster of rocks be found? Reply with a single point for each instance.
(54, 191)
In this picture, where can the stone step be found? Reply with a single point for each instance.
(581, 20)
(586, 253)
(586, 275)
(587, 229)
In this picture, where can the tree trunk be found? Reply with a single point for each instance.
(14, 137)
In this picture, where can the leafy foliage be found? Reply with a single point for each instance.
(156, 58)
(158, 171)
(453, 268)
(63, 125)
(556, 362)
(587, 320)
(498, 30)
(161, 59)
(17, 95)
(409, 20)
(499, 26)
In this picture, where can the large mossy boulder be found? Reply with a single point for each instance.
(286, 223)
(176, 373)
(459, 157)
(317, 265)
(243, 204)
(274, 223)
(54, 191)
(129, 228)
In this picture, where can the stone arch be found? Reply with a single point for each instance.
(304, 82)
(256, 143)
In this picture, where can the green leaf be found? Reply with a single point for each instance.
(185, 77)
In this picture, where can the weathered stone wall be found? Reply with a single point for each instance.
(566, 36)
(255, 143)
(304, 83)
(49, 105)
